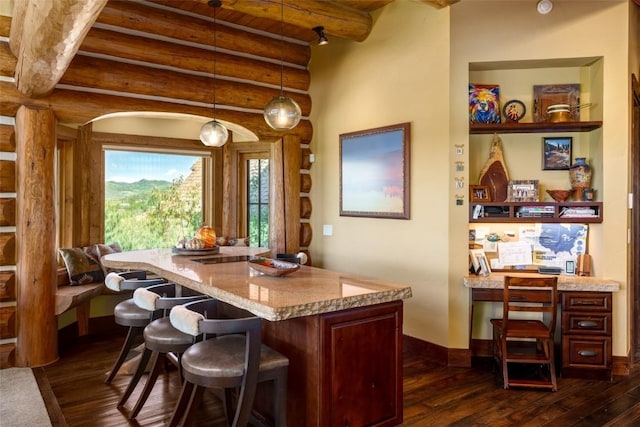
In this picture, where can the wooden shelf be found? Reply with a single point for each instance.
(542, 127)
(528, 212)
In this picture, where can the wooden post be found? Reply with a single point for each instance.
(37, 337)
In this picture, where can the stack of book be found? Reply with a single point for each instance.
(535, 212)
(585, 212)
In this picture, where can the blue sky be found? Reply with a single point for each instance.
(130, 166)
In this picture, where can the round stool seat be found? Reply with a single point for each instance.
(162, 337)
(127, 313)
(224, 357)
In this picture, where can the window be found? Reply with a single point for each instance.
(151, 199)
(258, 201)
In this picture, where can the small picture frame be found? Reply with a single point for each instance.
(523, 191)
(479, 262)
(570, 267)
(484, 103)
(556, 153)
(479, 193)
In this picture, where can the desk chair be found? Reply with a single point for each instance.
(231, 356)
(161, 340)
(127, 313)
(527, 341)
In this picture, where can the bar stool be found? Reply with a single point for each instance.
(161, 340)
(230, 356)
(127, 313)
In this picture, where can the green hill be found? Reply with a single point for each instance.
(122, 190)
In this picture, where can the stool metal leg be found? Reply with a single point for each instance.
(148, 386)
(146, 355)
(132, 334)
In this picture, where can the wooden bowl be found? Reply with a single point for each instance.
(273, 267)
(559, 195)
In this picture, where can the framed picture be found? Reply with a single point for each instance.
(556, 153)
(546, 95)
(374, 172)
(479, 193)
(523, 191)
(479, 262)
(484, 103)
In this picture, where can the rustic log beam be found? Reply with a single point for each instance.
(47, 38)
(337, 19)
(97, 73)
(291, 178)
(36, 273)
(190, 58)
(76, 107)
(165, 23)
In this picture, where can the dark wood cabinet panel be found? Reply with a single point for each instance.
(362, 367)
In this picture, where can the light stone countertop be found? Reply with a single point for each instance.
(305, 292)
(565, 283)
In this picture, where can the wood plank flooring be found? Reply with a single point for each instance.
(433, 395)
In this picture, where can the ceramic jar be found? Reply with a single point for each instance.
(580, 177)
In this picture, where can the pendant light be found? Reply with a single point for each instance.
(213, 133)
(282, 113)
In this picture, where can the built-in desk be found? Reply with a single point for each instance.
(583, 328)
(341, 333)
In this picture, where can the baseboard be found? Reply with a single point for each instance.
(437, 353)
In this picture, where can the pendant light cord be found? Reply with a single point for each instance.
(281, 46)
(215, 54)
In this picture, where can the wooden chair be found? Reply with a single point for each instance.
(527, 340)
(161, 340)
(127, 313)
(231, 356)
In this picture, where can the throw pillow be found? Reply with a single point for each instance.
(103, 250)
(82, 269)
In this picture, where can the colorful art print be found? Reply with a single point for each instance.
(484, 103)
(523, 191)
(374, 172)
(546, 95)
(556, 153)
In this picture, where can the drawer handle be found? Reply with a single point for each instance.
(587, 324)
(586, 302)
(587, 353)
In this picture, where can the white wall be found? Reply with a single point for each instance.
(414, 67)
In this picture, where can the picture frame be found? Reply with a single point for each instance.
(546, 95)
(523, 191)
(479, 193)
(484, 103)
(479, 262)
(556, 153)
(570, 267)
(375, 172)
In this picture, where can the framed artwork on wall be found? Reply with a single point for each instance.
(484, 103)
(556, 153)
(374, 172)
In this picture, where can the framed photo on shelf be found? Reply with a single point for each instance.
(479, 193)
(556, 153)
(484, 103)
(523, 191)
(374, 172)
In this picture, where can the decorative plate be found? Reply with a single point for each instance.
(192, 252)
(273, 267)
(514, 110)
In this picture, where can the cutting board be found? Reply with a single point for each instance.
(494, 173)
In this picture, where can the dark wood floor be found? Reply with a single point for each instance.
(433, 395)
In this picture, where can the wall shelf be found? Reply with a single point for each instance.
(542, 127)
(527, 212)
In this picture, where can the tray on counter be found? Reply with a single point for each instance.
(273, 267)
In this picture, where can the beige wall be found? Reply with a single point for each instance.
(415, 67)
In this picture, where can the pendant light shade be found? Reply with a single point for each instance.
(282, 113)
(214, 134)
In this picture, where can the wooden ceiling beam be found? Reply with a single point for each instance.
(338, 19)
(45, 36)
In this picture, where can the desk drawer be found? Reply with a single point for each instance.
(586, 301)
(586, 323)
(587, 352)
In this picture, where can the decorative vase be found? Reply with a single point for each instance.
(580, 177)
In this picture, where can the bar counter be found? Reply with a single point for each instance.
(342, 333)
